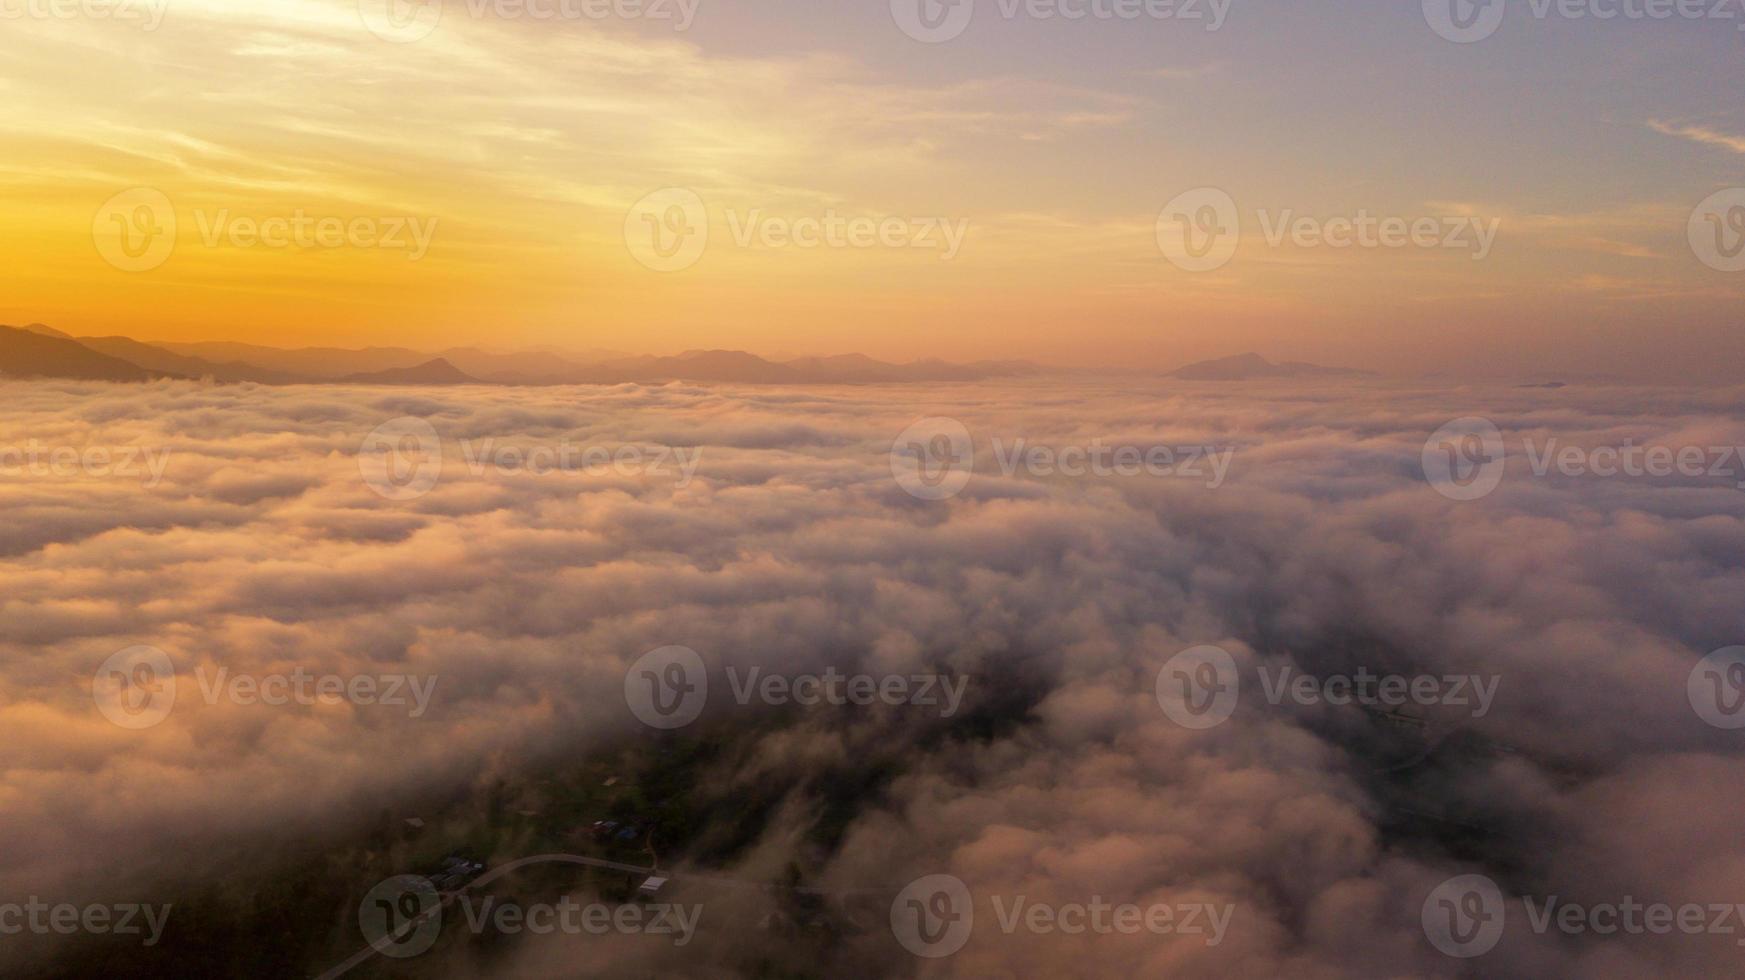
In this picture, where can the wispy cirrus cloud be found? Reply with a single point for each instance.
(1700, 134)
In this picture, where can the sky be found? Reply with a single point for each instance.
(1008, 192)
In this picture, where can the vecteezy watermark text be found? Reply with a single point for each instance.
(594, 460)
(402, 916)
(668, 688)
(1471, 21)
(65, 919)
(1467, 915)
(572, 918)
(933, 459)
(299, 229)
(137, 230)
(402, 459)
(406, 21)
(833, 230)
(1364, 230)
(1468, 458)
(137, 688)
(33, 459)
(836, 688)
(146, 14)
(669, 231)
(937, 21)
(934, 916)
(1199, 688)
(1199, 230)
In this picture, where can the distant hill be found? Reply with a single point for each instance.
(158, 359)
(309, 363)
(433, 372)
(35, 354)
(736, 367)
(540, 366)
(123, 358)
(860, 369)
(739, 367)
(1248, 367)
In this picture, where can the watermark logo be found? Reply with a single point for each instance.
(1199, 687)
(1463, 917)
(668, 230)
(1466, 917)
(1465, 459)
(401, 459)
(667, 688)
(594, 460)
(400, 21)
(933, 459)
(1716, 688)
(1465, 21)
(301, 687)
(1199, 230)
(402, 916)
(135, 688)
(933, 916)
(932, 21)
(1469, 21)
(1717, 230)
(1104, 459)
(135, 231)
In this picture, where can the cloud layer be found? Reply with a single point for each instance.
(526, 592)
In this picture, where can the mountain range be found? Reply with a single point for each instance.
(38, 351)
(1251, 367)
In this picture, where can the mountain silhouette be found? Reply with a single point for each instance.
(433, 372)
(41, 351)
(1249, 367)
(35, 354)
(183, 365)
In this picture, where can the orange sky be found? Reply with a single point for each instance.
(522, 149)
